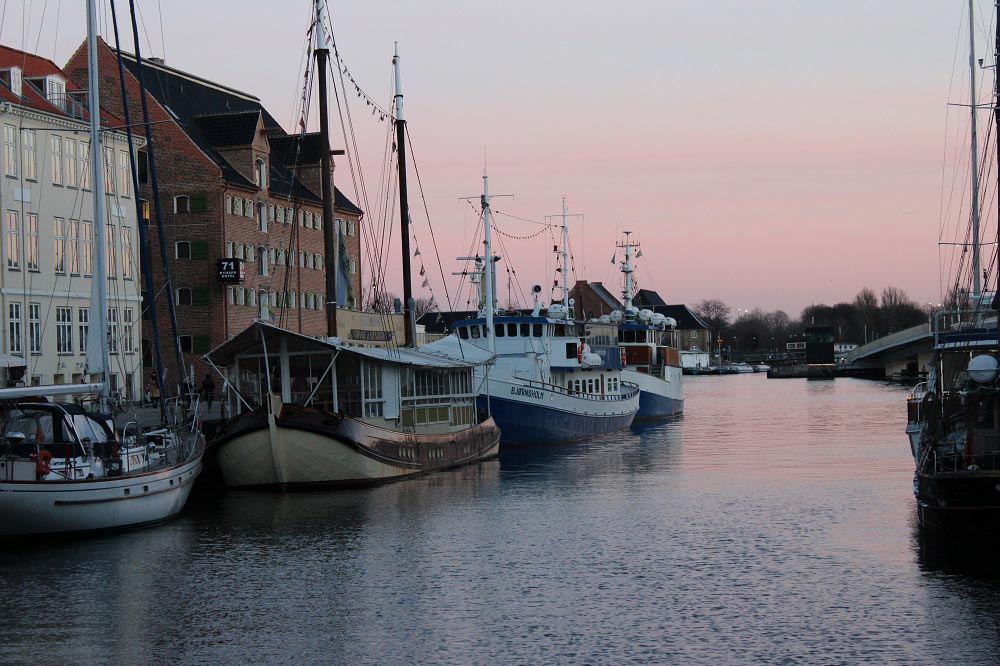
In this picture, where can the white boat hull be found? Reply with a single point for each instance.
(62, 507)
(658, 398)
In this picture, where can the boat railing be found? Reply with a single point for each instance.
(957, 462)
(964, 325)
(914, 403)
(629, 390)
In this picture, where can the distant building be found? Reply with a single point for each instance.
(48, 228)
(234, 185)
(813, 346)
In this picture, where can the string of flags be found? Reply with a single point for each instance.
(375, 107)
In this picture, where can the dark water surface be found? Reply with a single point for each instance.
(774, 523)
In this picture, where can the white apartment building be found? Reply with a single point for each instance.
(46, 211)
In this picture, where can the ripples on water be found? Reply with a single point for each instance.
(773, 523)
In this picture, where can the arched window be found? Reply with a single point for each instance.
(262, 260)
(262, 216)
(263, 300)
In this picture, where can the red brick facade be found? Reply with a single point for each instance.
(201, 225)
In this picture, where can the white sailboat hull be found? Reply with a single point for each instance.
(62, 507)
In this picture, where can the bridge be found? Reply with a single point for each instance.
(903, 352)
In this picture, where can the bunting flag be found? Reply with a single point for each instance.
(638, 254)
(417, 253)
(421, 271)
(613, 257)
(425, 283)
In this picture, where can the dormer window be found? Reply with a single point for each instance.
(13, 78)
(55, 91)
(260, 174)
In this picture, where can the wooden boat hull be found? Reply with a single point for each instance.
(305, 447)
(88, 505)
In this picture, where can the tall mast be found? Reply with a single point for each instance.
(996, 117)
(976, 285)
(329, 233)
(627, 270)
(404, 207)
(488, 267)
(565, 254)
(99, 298)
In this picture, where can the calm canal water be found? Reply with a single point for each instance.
(774, 523)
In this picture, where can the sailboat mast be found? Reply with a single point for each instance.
(488, 266)
(976, 284)
(996, 118)
(99, 297)
(627, 270)
(565, 254)
(409, 323)
(330, 245)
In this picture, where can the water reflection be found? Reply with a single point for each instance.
(774, 522)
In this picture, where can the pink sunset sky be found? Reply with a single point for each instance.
(771, 154)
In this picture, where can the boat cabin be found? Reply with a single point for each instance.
(428, 389)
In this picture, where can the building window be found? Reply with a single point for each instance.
(144, 212)
(59, 237)
(248, 208)
(10, 151)
(126, 252)
(83, 319)
(262, 260)
(64, 330)
(83, 152)
(182, 250)
(35, 327)
(113, 330)
(186, 343)
(57, 160)
(56, 91)
(14, 327)
(183, 296)
(127, 346)
(31, 241)
(69, 162)
(72, 247)
(13, 241)
(142, 166)
(87, 247)
(109, 170)
(182, 204)
(354, 266)
(28, 144)
(260, 174)
(262, 217)
(350, 227)
(109, 253)
(124, 189)
(270, 212)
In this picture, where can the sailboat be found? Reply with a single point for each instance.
(65, 469)
(319, 412)
(651, 361)
(549, 384)
(953, 419)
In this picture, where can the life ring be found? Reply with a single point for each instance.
(43, 465)
(624, 356)
(579, 351)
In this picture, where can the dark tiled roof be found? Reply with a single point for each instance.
(214, 115)
(228, 129)
(686, 319)
(304, 149)
(647, 298)
(605, 295)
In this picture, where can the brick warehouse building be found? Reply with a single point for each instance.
(229, 188)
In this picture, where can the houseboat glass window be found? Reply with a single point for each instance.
(475, 332)
(570, 350)
(373, 400)
(525, 330)
(349, 384)
(511, 330)
(536, 330)
(463, 332)
(500, 330)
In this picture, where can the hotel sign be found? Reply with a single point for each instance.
(231, 271)
(370, 336)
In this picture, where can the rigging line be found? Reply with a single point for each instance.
(41, 22)
(423, 199)
(523, 219)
